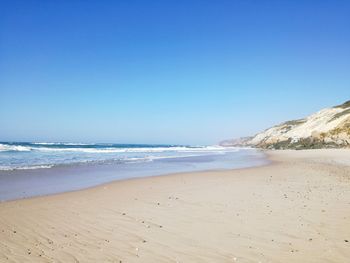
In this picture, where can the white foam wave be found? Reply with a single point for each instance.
(33, 167)
(20, 148)
(76, 155)
(140, 149)
(17, 148)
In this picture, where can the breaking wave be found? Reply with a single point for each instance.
(15, 148)
(37, 155)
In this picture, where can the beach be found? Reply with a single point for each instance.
(295, 209)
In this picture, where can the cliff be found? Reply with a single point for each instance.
(327, 128)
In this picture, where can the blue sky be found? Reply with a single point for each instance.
(187, 72)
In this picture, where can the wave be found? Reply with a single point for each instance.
(103, 149)
(62, 143)
(148, 158)
(25, 155)
(137, 150)
(31, 167)
(26, 147)
(14, 148)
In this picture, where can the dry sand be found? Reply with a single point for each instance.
(295, 210)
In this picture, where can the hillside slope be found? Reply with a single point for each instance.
(328, 128)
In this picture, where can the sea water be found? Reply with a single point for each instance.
(38, 168)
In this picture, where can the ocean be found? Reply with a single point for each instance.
(39, 168)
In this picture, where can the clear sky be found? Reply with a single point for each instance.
(181, 71)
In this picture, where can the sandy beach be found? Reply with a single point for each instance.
(296, 209)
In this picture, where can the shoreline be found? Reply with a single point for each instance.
(294, 209)
(23, 184)
(135, 179)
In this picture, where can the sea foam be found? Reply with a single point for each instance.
(37, 155)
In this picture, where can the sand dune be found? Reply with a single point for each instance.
(295, 210)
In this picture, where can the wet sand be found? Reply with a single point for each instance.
(296, 209)
(24, 183)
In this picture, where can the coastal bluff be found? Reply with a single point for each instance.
(327, 128)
